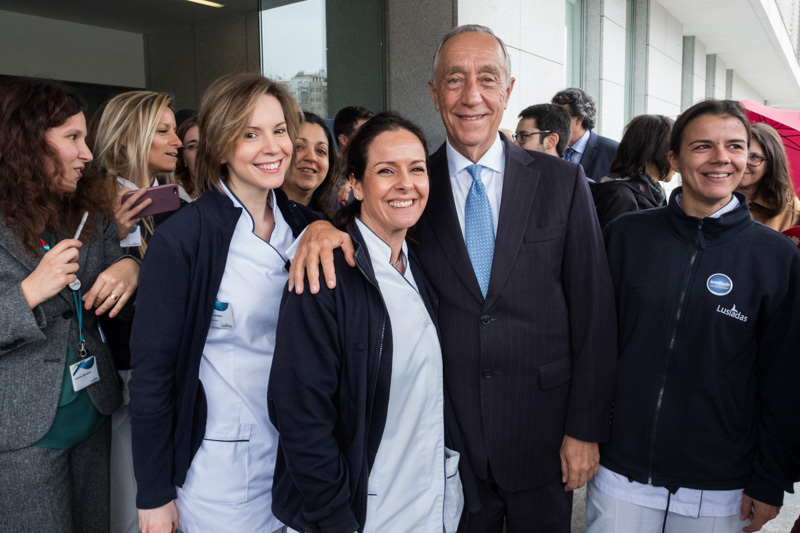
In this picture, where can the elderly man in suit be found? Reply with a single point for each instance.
(594, 152)
(511, 243)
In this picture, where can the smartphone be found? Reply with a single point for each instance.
(165, 198)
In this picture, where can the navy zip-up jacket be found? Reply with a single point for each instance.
(709, 334)
(328, 396)
(178, 284)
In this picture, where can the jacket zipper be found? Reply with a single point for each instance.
(371, 396)
(672, 339)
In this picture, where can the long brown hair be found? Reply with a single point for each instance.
(30, 166)
(775, 188)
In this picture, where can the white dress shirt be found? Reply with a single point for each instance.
(229, 483)
(407, 487)
(494, 167)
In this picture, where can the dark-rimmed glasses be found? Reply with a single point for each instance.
(522, 137)
(755, 160)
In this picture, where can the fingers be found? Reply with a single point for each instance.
(296, 272)
(746, 512)
(349, 254)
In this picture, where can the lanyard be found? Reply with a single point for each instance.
(76, 297)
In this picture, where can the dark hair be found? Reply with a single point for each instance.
(29, 202)
(579, 104)
(717, 108)
(552, 118)
(321, 197)
(358, 154)
(775, 187)
(645, 142)
(182, 174)
(347, 118)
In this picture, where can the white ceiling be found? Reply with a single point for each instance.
(749, 36)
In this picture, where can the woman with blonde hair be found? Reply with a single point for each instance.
(204, 448)
(766, 182)
(137, 146)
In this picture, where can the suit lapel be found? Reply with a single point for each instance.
(443, 221)
(589, 153)
(520, 181)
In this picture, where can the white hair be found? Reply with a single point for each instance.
(470, 28)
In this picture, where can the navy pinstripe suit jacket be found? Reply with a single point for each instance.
(536, 358)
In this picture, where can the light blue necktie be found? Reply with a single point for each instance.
(479, 229)
(569, 153)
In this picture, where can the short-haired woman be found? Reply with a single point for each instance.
(641, 163)
(204, 332)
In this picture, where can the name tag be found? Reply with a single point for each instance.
(133, 239)
(222, 316)
(84, 373)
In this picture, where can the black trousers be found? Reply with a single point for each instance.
(543, 509)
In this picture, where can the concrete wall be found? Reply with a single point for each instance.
(605, 63)
(49, 48)
(694, 72)
(413, 31)
(716, 77)
(740, 89)
(664, 62)
(185, 60)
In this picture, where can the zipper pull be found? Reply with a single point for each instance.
(700, 236)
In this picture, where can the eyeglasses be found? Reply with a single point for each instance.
(522, 137)
(755, 160)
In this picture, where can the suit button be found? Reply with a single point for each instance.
(67, 314)
(487, 373)
(486, 320)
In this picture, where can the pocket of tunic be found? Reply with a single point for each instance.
(453, 491)
(220, 472)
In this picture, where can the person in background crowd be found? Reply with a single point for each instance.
(204, 331)
(766, 182)
(527, 330)
(594, 152)
(136, 147)
(544, 128)
(640, 165)
(703, 434)
(347, 122)
(189, 134)
(310, 179)
(354, 458)
(58, 382)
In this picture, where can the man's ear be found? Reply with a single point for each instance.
(342, 140)
(551, 141)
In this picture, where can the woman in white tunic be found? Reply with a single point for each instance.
(356, 390)
(203, 338)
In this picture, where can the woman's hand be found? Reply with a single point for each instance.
(56, 270)
(125, 213)
(162, 519)
(113, 287)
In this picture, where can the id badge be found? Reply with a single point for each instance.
(133, 239)
(222, 316)
(84, 373)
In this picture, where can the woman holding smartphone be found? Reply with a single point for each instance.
(204, 448)
(57, 381)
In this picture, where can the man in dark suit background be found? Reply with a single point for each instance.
(511, 243)
(594, 152)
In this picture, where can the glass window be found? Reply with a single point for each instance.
(329, 54)
(574, 43)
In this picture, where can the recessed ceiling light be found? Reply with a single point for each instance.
(206, 3)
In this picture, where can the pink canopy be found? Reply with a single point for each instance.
(787, 123)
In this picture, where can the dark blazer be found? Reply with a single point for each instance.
(598, 155)
(537, 358)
